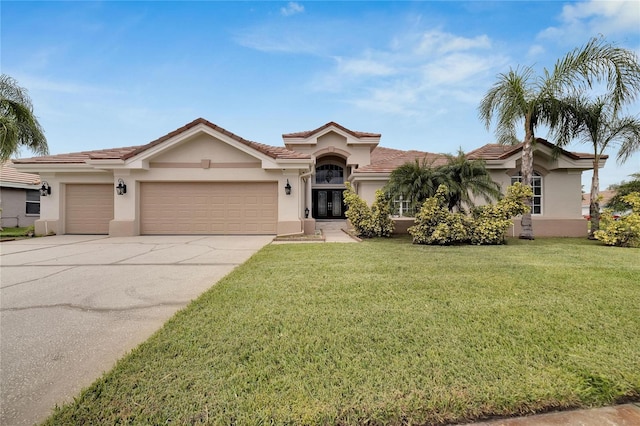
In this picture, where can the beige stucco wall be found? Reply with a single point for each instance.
(334, 143)
(561, 191)
(13, 204)
(204, 146)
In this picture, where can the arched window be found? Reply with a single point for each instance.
(329, 174)
(536, 184)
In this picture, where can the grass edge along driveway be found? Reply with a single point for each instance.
(385, 332)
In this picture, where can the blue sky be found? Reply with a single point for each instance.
(109, 74)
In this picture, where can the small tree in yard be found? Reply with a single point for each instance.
(625, 231)
(368, 222)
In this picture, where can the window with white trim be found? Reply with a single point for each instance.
(33, 202)
(536, 184)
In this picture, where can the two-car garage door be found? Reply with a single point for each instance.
(208, 208)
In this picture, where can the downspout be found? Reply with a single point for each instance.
(304, 176)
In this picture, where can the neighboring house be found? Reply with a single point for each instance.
(19, 197)
(203, 179)
(605, 197)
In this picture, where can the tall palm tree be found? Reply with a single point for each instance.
(522, 96)
(595, 123)
(18, 126)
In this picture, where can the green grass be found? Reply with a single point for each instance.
(385, 332)
(16, 232)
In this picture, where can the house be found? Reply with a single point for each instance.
(19, 197)
(605, 197)
(203, 179)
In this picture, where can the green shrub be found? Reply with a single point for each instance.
(368, 222)
(383, 225)
(625, 231)
(492, 221)
(435, 224)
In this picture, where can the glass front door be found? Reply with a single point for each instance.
(328, 204)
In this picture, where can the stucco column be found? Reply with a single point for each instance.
(50, 207)
(124, 223)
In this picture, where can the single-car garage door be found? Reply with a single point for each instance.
(88, 208)
(208, 208)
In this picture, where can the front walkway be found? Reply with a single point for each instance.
(334, 231)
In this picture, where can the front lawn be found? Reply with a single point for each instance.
(386, 332)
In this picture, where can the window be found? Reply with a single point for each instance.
(329, 174)
(33, 202)
(536, 184)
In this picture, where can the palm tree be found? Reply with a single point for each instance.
(465, 177)
(18, 126)
(415, 182)
(596, 123)
(521, 95)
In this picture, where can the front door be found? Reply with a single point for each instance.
(328, 204)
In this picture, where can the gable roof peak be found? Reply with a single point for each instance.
(308, 133)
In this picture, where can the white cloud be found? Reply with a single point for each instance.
(292, 8)
(441, 42)
(363, 67)
(420, 74)
(579, 21)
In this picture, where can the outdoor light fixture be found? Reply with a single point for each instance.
(306, 212)
(45, 189)
(287, 188)
(121, 188)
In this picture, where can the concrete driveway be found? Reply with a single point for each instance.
(71, 306)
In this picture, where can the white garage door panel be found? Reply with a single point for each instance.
(88, 208)
(208, 208)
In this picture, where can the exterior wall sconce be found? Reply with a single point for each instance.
(306, 213)
(121, 188)
(45, 189)
(287, 188)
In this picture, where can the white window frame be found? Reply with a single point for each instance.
(536, 183)
(27, 202)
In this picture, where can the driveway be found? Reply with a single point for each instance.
(71, 306)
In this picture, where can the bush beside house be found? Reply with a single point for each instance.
(625, 230)
(435, 224)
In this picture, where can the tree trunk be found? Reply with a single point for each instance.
(527, 177)
(594, 204)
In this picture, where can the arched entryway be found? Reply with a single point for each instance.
(328, 188)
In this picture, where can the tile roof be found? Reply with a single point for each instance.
(494, 151)
(605, 196)
(125, 153)
(9, 174)
(307, 133)
(385, 160)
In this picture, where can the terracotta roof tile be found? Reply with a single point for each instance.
(307, 133)
(385, 160)
(131, 151)
(9, 174)
(605, 196)
(494, 151)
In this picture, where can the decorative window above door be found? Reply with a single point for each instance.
(329, 174)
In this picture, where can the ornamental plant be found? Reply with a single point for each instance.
(625, 231)
(492, 221)
(435, 224)
(368, 222)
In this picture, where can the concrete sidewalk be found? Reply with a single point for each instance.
(617, 415)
